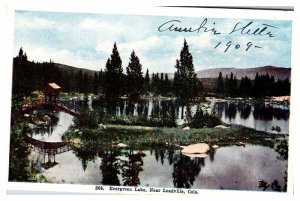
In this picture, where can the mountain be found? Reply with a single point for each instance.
(64, 67)
(277, 72)
(208, 74)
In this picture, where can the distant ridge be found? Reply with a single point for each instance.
(277, 72)
(74, 69)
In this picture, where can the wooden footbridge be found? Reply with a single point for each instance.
(70, 108)
(49, 149)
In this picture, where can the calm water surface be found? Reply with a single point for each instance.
(54, 132)
(259, 116)
(232, 167)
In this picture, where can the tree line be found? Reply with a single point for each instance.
(262, 86)
(112, 83)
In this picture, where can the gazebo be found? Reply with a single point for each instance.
(51, 91)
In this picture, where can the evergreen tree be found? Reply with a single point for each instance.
(235, 87)
(245, 88)
(134, 78)
(230, 85)
(20, 55)
(161, 84)
(226, 85)
(184, 85)
(220, 87)
(188, 114)
(101, 81)
(152, 83)
(66, 81)
(168, 85)
(21, 75)
(256, 86)
(72, 81)
(155, 84)
(86, 83)
(114, 79)
(147, 82)
(283, 87)
(95, 83)
(79, 79)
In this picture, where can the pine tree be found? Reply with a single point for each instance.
(152, 83)
(101, 81)
(147, 82)
(231, 85)
(95, 83)
(114, 79)
(220, 87)
(155, 83)
(184, 85)
(79, 79)
(245, 88)
(226, 86)
(161, 84)
(86, 83)
(167, 85)
(134, 78)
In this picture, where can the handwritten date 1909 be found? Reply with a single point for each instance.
(237, 46)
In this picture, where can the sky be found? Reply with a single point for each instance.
(86, 40)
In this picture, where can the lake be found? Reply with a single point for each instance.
(228, 167)
(259, 116)
(53, 132)
(232, 167)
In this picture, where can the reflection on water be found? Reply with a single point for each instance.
(259, 116)
(54, 132)
(232, 167)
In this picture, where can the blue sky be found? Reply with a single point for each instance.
(86, 40)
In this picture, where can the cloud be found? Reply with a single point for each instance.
(157, 53)
(35, 23)
(86, 40)
(95, 24)
(63, 56)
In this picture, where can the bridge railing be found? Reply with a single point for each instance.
(69, 107)
(48, 147)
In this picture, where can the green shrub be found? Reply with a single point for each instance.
(203, 119)
(89, 119)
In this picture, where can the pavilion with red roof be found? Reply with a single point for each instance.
(51, 91)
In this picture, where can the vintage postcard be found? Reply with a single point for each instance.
(163, 103)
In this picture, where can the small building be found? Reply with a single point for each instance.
(51, 91)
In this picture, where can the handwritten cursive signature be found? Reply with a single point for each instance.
(264, 30)
(175, 26)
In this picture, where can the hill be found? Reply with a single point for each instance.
(277, 72)
(73, 69)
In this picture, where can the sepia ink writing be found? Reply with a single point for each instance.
(175, 26)
(265, 30)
